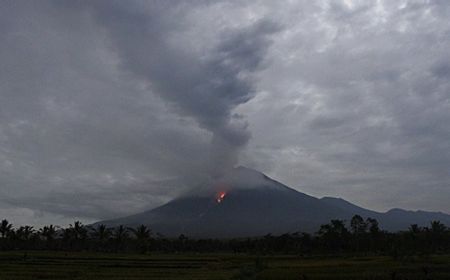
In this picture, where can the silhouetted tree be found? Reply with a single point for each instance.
(119, 235)
(101, 235)
(437, 227)
(142, 234)
(24, 233)
(49, 234)
(5, 228)
(334, 235)
(66, 238)
(75, 236)
(24, 237)
(414, 229)
(358, 225)
(359, 229)
(373, 226)
(78, 230)
(437, 235)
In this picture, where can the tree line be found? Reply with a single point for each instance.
(336, 237)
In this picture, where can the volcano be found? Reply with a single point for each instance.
(247, 203)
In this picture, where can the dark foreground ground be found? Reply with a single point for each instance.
(60, 265)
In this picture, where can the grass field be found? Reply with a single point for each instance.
(60, 265)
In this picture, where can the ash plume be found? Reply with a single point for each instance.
(205, 85)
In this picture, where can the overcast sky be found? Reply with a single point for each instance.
(109, 108)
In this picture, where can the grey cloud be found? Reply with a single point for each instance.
(102, 102)
(441, 70)
(367, 118)
(206, 88)
(95, 90)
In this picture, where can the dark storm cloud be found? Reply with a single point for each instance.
(98, 97)
(206, 87)
(369, 104)
(105, 105)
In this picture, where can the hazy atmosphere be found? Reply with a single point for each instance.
(108, 108)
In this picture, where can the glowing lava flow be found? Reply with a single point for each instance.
(220, 196)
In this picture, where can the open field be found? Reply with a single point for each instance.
(61, 265)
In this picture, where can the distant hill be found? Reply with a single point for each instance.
(254, 205)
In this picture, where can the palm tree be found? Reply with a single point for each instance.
(437, 233)
(26, 237)
(75, 236)
(437, 227)
(25, 233)
(66, 234)
(49, 234)
(119, 235)
(5, 228)
(101, 233)
(66, 237)
(142, 234)
(79, 231)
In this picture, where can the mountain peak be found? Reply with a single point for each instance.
(248, 203)
(241, 177)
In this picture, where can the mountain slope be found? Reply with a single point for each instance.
(392, 220)
(255, 205)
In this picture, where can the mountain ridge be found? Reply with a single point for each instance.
(254, 204)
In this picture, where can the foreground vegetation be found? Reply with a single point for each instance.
(362, 251)
(363, 237)
(88, 265)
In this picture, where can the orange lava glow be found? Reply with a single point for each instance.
(220, 196)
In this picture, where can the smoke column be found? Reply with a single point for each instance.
(206, 88)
